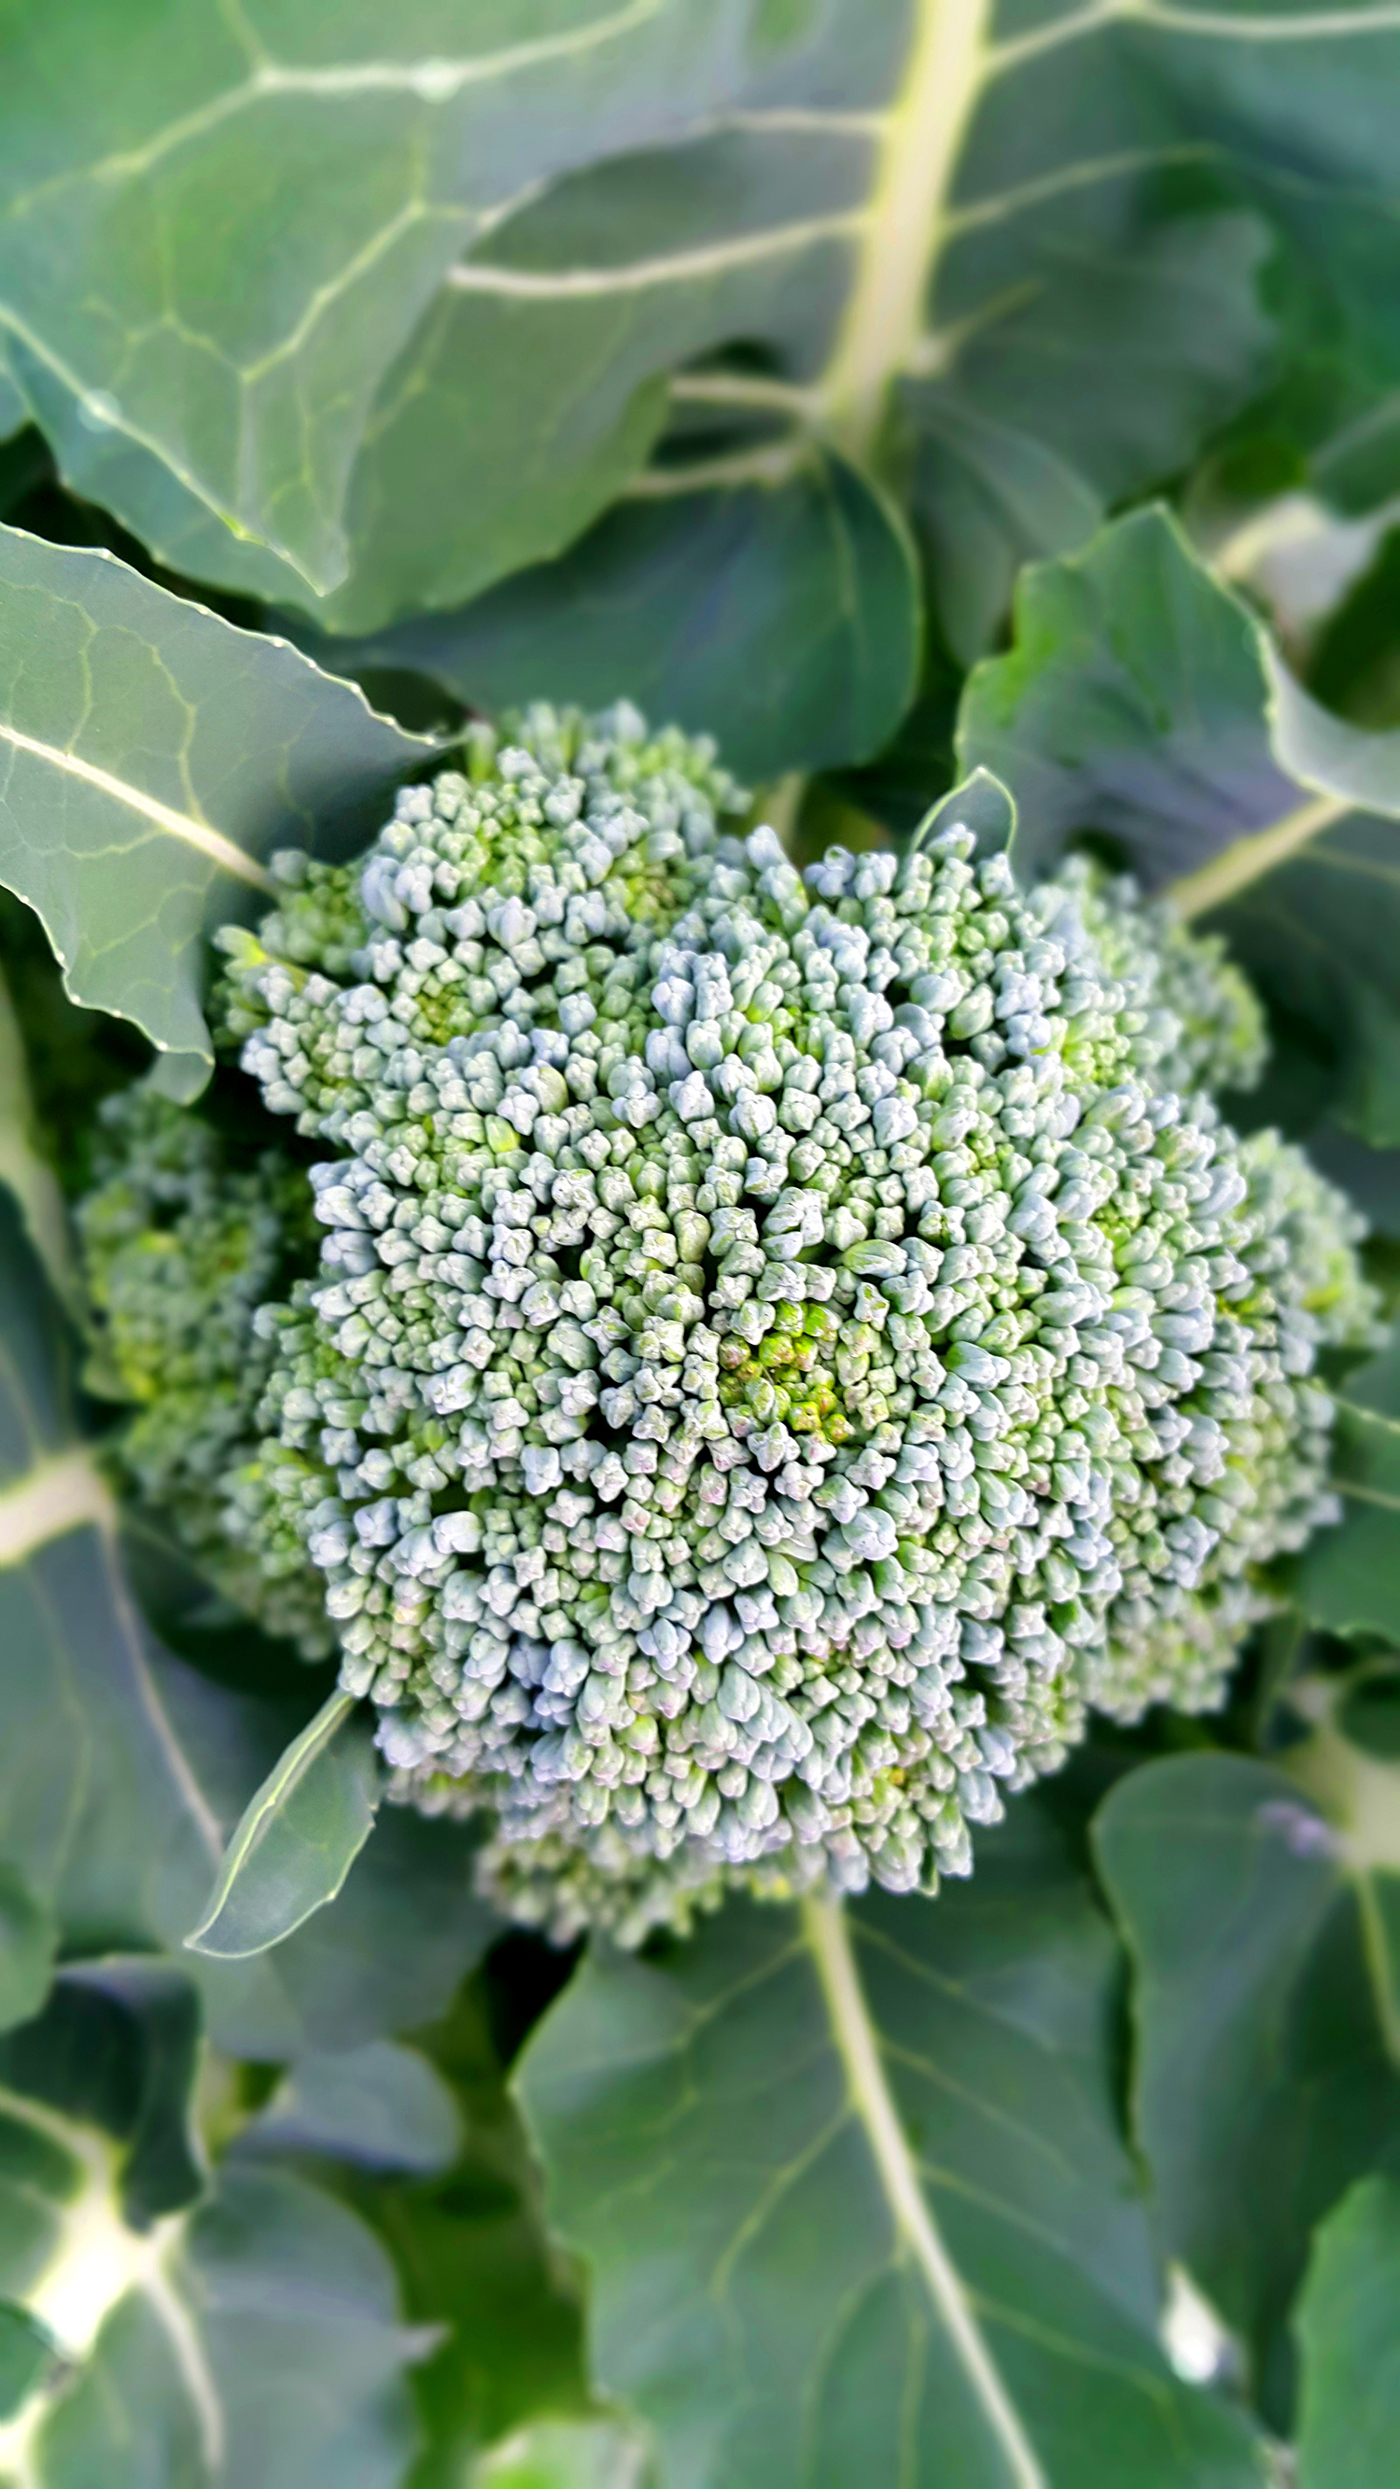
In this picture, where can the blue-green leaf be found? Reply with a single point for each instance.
(382, 2106)
(1266, 2074)
(150, 756)
(122, 1771)
(854, 2201)
(1348, 2323)
(28, 1944)
(297, 1839)
(782, 616)
(1348, 1578)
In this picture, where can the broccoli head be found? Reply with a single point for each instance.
(782, 1346)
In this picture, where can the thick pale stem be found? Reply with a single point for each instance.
(918, 158)
(1226, 875)
(829, 1938)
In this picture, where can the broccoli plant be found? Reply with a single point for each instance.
(699, 1124)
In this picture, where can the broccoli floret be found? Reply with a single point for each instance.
(783, 1346)
(183, 1237)
(1203, 1023)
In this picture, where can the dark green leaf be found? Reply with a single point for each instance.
(1349, 1578)
(297, 1839)
(401, 1934)
(987, 498)
(26, 2356)
(116, 2047)
(472, 2256)
(1131, 701)
(25, 1167)
(28, 1944)
(122, 1772)
(151, 755)
(783, 615)
(1140, 699)
(565, 2454)
(1348, 2324)
(1368, 1710)
(1017, 456)
(260, 2346)
(1318, 937)
(35, 1428)
(854, 2200)
(248, 2336)
(306, 2353)
(13, 411)
(1264, 2081)
(381, 2106)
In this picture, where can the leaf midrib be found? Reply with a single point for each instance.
(827, 1934)
(221, 851)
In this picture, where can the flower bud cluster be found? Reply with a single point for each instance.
(1204, 1022)
(184, 1234)
(779, 1350)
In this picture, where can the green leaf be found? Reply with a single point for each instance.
(852, 2194)
(254, 2340)
(25, 1168)
(410, 547)
(1318, 939)
(1348, 1578)
(116, 2048)
(200, 2331)
(472, 2254)
(1018, 452)
(783, 614)
(35, 1423)
(26, 2356)
(987, 498)
(1131, 701)
(297, 1839)
(381, 2106)
(1350, 2343)
(465, 273)
(150, 754)
(980, 804)
(13, 410)
(1368, 1709)
(263, 215)
(122, 1771)
(1141, 699)
(123, 1774)
(28, 1946)
(565, 2454)
(1266, 2077)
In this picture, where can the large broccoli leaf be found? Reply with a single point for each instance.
(1141, 699)
(472, 2256)
(1267, 2073)
(852, 2194)
(264, 204)
(788, 609)
(446, 352)
(150, 754)
(123, 1771)
(1350, 2345)
(206, 2331)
